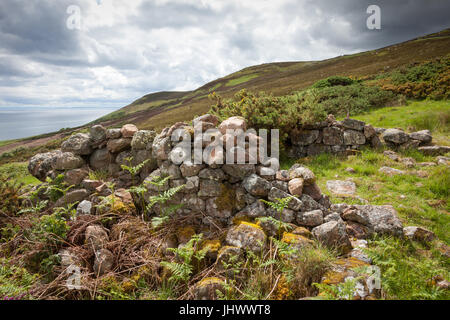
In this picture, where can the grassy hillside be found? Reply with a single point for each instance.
(160, 109)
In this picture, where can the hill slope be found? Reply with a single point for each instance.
(160, 109)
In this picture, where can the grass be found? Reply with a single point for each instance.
(240, 80)
(18, 172)
(416, 115)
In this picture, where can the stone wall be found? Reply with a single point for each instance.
(340, 137)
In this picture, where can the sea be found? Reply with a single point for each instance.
(22, 122)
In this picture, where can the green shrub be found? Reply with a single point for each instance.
(333, 81)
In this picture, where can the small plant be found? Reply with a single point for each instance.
(342, 291)
(186, 254)
(279, 205)
(35, 208)
(162, 199)
(133, 170)
(56, 188)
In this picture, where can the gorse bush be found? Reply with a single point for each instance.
(333, 81)
(264, 111)
(10, 203)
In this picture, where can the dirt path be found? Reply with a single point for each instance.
(30, 143)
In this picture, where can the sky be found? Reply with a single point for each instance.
(107, 53)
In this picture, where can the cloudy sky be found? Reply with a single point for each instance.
(124, 49)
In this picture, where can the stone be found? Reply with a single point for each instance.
(295, 186)
(313, 191)
(310, 219)
(302, 172)
(390, 171)
(275, 193)
(192, 184)
(355, 215)
(295, 240)
(350, 170)
(287, 215)
(304, 137)
(282, 185)
(79, 144)
(100, 159)
(395, 136)
(189, 169)
(333, 234)
(382, 219)
(214, 210)
(424, 136)
(96, 237)
(334, 216)
(142, 138)
(161, 147)
(169, 169)
(427, 164)
(104, 262)
(434, 150)
(85, 207)
(75, 177)
(128, 130)
(69, 258)
(98, 134)
(392, 155)
(443, 160)
(192, 202)
(309, 204)
(41, 164)
(239, 171)
(302, 231)
(352, 137)
(206, 118)
(118, 145)
(123, 158)
(353, 124)
(332, 136)
(233, 123)
(256, 186)
(410, 144)
(409, 162)
(67, 161)
(155, 175)
(418, 234)
(282, 175)
(375, 142)
(91, 185)
(316, 149)
(341, 188)
(256, 209)
(72, 197)
(212, 174)
(207, 288)
(209, 188)
(247, 236)
(369, 131)
(357, 230)
(113, 133)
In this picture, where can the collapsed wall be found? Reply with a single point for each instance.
(219, 192)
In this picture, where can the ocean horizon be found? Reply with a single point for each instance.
(22, 122)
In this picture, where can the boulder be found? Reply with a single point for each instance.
(311, 218)
(434, 150)
(161, 147)
(79, 144)
(142, 138)
(215, 208)
(118, 145)
(390, 171)
(41, 164)
(100, 159)
(247, 236)
(304, 137)
(206, 118)
(233, 123)
(85, 207)
(306, 174)
(353, 124)
(75, 177)
(333, 234)
(212, 174)
(256, 186)
(128, 130)
(424, 136)
(113, 133)
(275, 193)
(395, 136)
(332, 136)
(67, 161)
(369, 131)
(189, 169)
(352, 137)
(209, 188)
(96, 237)
(313, 191)
(239, 171)
(295, 186)
(341, 188)
(72, 197)
(256, 209)
(382, 219)
(282, 175)
(207, 288)
(104, 262)
(98, 134)
(418, 234)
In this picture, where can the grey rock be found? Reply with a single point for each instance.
(100, 159)
(98, 134)
(311, 218)
(142, 138)
(113, 134)
(212, 209)
(104, 262)
(212, 174)
(209, 188)
(306, 174)
(84, 207)
(96, 237)
(390, 171)
(333, 234)
(275, 193)
(247, 237)
(423, 136)
(67, 161)
(189, 169)
(256, 209)
(256, 186)
(352, 137)
(305, 137)
(239, 171)
(341, 188)
(434, 150)
(382, 219)
(332, 136)
(72, 197)
(418, 234)
(353, 124)
(79, 144)
(41, 164)
(395, 136)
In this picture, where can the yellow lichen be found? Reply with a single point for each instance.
(184, 234)
(212, 245)
(251, 224)
(238, 219)
(301, 231)
(291, 238)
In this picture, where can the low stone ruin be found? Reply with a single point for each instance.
(344, 136)
(226, 195)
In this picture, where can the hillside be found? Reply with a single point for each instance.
(157, 110)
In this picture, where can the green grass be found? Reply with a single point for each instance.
(243, 79)
(18, 172)
(417, 115)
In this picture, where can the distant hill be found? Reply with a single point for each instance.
(160, 109)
